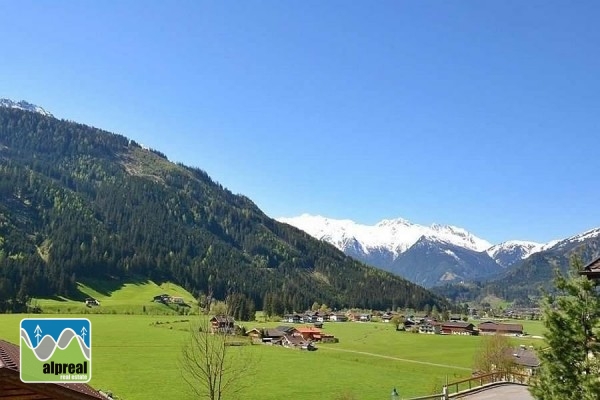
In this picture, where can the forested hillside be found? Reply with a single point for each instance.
(78, 203)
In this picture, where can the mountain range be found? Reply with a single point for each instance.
(431, 255)
(79, 204)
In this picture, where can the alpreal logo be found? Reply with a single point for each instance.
(56, 350)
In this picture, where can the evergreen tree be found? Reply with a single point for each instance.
(570, 365)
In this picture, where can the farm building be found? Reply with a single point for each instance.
(458, 328)
(11, 387)
(491, 328)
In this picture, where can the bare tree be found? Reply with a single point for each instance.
(211, 366)
(494, 355)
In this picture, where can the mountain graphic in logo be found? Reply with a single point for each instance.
(56, 350)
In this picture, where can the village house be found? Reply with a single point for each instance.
(386, 317)
(315, 334)
(338, 317)
(458, 328)
(409, 325)
(492, 328)
(297, 342)
(310, 317)
(11, 387)
(91, 302)
(292, 318)
(222, 324)
(430, 327)
(526, 360)
(166, 299)
(161, 298)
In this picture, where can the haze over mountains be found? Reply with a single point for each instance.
(427, 255)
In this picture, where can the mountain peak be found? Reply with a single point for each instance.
(391, 235)
(512, 251)
(23, 105)
(394, 222)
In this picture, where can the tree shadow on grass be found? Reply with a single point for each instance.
(108, 286)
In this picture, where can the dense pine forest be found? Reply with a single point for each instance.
(80, 204)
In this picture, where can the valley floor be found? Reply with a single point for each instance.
(136, 358)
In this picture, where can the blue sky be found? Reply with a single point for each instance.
(477, 114)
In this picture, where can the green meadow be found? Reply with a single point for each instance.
(133, 297)
(136, 358)
(137, 346)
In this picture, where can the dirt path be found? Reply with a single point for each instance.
(395, 358)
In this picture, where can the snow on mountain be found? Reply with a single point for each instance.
(510, 252)
(557, 244)
(23, 105)
(392, 235)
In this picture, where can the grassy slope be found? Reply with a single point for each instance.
(118, 298)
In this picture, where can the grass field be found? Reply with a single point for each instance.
(138, 359)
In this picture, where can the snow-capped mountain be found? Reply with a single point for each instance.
(23, 105)
(511, 252)
(573, 240)
(427, 255)
(392, 235)
(433, 262)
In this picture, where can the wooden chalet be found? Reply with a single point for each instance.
(11, 387)
(222, 324)
(458, 328)
(592, 270)
(491, 328)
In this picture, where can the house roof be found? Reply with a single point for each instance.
(592, 270)
(524, 357)
(457, 324)
(308, 329)
(10, 376)
(493, 326)
(223, 319)
(273, 333)
(295, 340)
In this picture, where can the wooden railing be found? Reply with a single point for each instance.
(485, 379)
(475, 382)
